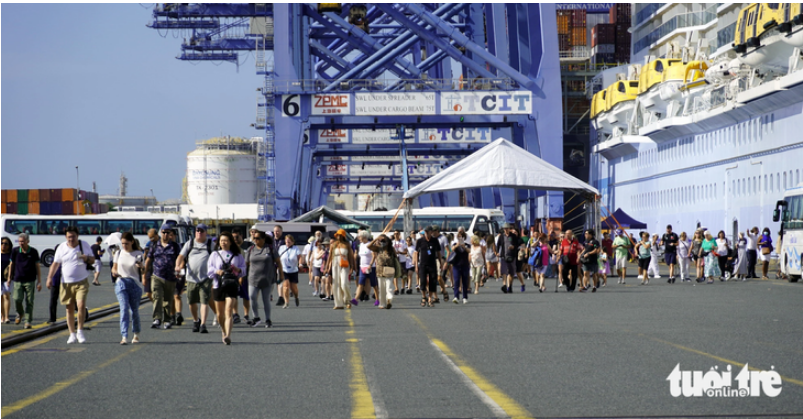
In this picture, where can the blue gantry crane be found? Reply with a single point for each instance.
(345, 82)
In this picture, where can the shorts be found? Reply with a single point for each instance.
(223, 292)
(621, 262)
(519, 266)
(316, 272)
(371, 276)
(591, 267)
(74, 290)
(670, 258)
(541, 270)
(644, 263)
(98, 264)
(508, 268)
(198, 293)
(6, 288)
(763, 258)
(181, 285)
(289, 276)
(243, 292)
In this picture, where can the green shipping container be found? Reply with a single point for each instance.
(22, 207)
(22, 195)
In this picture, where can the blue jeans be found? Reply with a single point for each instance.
(129, 294)
(460, 280)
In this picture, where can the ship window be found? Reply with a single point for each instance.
(621, 87)
(772, 183)
(773, 6)
(784, 181)
(797, 177)
(659, 67)
(778, 182)
(733, 186)
(634, 84)
(765, 184)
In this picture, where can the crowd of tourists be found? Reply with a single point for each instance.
(215, 275)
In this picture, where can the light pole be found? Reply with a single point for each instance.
(153, 198)
(77, 180)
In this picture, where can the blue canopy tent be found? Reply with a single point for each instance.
(620, 219)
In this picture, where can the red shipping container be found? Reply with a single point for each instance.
(578, 18)
(4, 198)
(55, 195)
(4, 208)
(603, 33)
(620, 13)
(44, 195)
(68, 208)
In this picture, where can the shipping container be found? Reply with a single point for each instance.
(4, 198)
(104, 208)
(33, 195)
(563, 43)
(68, 194)
(4, 208)
(578, 18)
(22, 195)
(603, 33)
(33, 207)
(93, 197)
(620, 13)
(22, 208)
(11, 208)
(603, 49)
(579, 37)
(563, 25)
(12, 197)
(68, 208)
(44, 195)
(49, 208)
(604, 59)
(81, 195)
(55, 195)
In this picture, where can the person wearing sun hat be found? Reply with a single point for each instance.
(339, 264)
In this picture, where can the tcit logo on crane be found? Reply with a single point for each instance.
(479, 103)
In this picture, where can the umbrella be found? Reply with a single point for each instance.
(114, 239)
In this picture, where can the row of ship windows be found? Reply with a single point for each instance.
(773, 183)
(745, 133)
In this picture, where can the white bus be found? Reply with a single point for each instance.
(790, 212)
(47, 231)
(448, 218)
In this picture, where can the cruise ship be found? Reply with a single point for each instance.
(705, 126)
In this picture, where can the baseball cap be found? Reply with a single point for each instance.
(428, 228)
(619, 232)
(201, 227)
(254, 227)
(166, 227)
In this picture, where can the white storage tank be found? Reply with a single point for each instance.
(222, 170)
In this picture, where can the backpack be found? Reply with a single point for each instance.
(228, 278)
(537, 259)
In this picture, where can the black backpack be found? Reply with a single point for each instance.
(229, 279)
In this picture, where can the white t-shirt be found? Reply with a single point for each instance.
(752, 240)
(722, 248)
(289, 259)
(126, 264)
(73, 269)
(365, 255)
(317, 258)
(410, 251)
(400, 246)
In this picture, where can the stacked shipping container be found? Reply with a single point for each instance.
(571, 30)
(50, 202)
(610, 42)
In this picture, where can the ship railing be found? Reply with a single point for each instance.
(318, 85)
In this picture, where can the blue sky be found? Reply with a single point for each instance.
(89, 85)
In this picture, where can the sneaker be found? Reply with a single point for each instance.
(397, 292)
(268, 324)
(203, 329)
(315, 293)
(310, 283)
(135, 339)
(323, 297)
(331, 298)
(594, 289)
(522, 288)
(179, 319)
(256, 322)
(280, 301)
(455, 300)
(354, 302)
(376, 303)
(79, 334)
(465, 301)
(560, 285)
(72, 339)
(196, 326)
(247, 320)
(640, 277)
(296, 301)
(156, 323)
(409, 291)
(504, 289)
(214, 322)
(656, 277)
(236, 318)
(167, 325)
(27, 325)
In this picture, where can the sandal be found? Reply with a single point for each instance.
(430, 304)
(423, 302)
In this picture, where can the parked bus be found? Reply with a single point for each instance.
(789, 212)
(447, 218)
(47, 231)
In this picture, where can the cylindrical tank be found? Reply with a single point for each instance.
(222, 170)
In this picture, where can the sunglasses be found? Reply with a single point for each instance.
(200, 231)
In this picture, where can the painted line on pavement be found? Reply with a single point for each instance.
(55, 388)
(41, 325)
(61, 334)
(501, 404)
(362, 402)
(718, 358)
(376, 394)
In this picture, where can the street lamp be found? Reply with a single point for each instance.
(77, 180)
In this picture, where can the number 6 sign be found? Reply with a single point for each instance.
(291, 105)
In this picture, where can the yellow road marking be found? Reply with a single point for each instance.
(38, 342)
(510, 406)
(55, 388)
(362, 404)
(718, 358)
(41, 325)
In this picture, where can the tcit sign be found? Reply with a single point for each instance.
(486, 103)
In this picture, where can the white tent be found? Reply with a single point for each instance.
(502, 164)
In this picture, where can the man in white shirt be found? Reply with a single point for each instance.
(443, 272)
(400, 246)
(194, 256)
(752, 252)
(73, 256)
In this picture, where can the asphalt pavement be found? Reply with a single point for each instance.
(531, 354)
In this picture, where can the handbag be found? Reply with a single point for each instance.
(565, 259)
(450, 258)
(388, 272)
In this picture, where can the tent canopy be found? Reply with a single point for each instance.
(314, 216)
(502, 164)
(624, 220)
